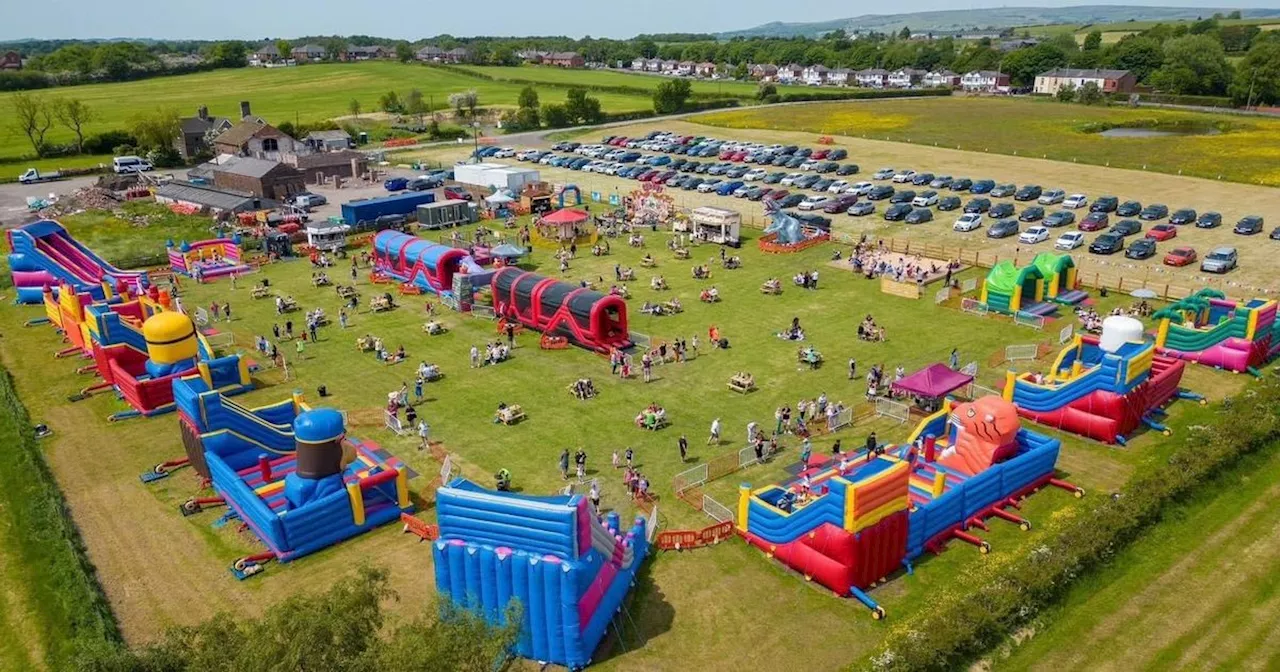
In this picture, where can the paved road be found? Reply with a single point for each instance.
(13, 197)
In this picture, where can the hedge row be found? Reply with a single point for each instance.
(70, 610)
(1175, 99)
(598, 88)
(963, 624)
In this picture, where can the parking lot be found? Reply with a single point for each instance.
(1232, 200)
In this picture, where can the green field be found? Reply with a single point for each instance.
(306, 93)
(1200, 591)
(1112, 32)
(567, 77)
(152, 561)
(1246, 151)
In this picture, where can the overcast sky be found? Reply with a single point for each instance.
(414, 19)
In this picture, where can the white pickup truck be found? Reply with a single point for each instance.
(33, 176)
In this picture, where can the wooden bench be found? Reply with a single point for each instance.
(649, 263)
(260, 293)
(365, 344)
(774, 289)
(741, 384)
(509, 415)
(380, 303)
(346, 291)
(288, 305)
(672, 307)
(433, 328)
(812, 358)
(681, 253)
(321, 282)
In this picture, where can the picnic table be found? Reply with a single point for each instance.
(509, 415)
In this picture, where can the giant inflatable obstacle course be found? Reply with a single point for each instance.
(585, 317)
(207, 259)
(288, 471)
(569, 570)
(861, 519)
(42, 254)
(1209, 329)
(1101, 387)
(428, 266)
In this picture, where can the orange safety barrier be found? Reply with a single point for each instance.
(679, 540)
(826, 140)
(553, 342)
(378, 278)
(410, 289)
(424, 530)
(768, 245)
(400, 142)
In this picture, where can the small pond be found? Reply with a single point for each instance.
(1122, 132)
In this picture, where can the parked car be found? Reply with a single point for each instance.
(1075, 201)
(921, 179)
(755, 174)
(1003, 228)
(741, 192)
(847, 169)
(779, 194)
(967, 222)
(940, 182)
(822, 185)
(736, 172)
(1208, 220)
(1127, 227)
(791, 178)
(1028, 193)
(1220, 260)
(838, 186)
(883, 174)
(1162, 232)
(1154, 212)
(839, 204)
(961, 184)
(1060, 218)
(759, 193)
(904, 196)
(1004, 190)
(814, 201)
(693, 183)
(861, 188)
(1033, 235)
(838, 154)
(925, 199)
(1275, 233)
(1032, 213)
(710, 185)
(796, 162)
(805, 182)
(949, 203)
(862, 208)
(396, 184)
(1183, 216)
(904, 176)
(1051, 197)
(1107, 243)
(1069, 241)
(1142, 248)
(728, 187)
(1000, 211)
(774, 178)
(1180, 256)
(1095, 221)
(977, 205)
(1128, 209)
(790, 201)
(897, 212)
(982, 187)
(919, 216)
(1105, 204)
(1248, 225)
(880, 192)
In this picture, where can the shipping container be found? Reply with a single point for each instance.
(445, 214)
(361, 214)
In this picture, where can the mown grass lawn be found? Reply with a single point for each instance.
(152, 560)
(306, 93)
(571, 77)
(1246, 151)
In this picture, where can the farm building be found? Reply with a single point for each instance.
(256, 139)
(210, 198)
(316, 168)
(259, 177)
(565, 59)
(10, 60)
(328, 141)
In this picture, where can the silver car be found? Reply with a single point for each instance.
(1220, 260)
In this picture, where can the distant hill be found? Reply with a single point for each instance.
(992, 18)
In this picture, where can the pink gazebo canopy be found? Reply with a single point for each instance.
(935, 380)
(565, 216)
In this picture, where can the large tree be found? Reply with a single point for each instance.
(671, 96)
(33, 116)
(233, 54)
(1024, 64)
(285, 47)
(581, 108)
(404, 52)
(1257, 79)
(1139, 55)
(1093, 41)
(1195, 64)
(74, 114)
(156, 129)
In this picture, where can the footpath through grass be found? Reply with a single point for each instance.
(1240, 149)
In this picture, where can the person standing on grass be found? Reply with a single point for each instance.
(616, 461)
(714, 439)
(511, 335)
(226, 311)
(354, 274)
(853, 368)
(595, 497)
(402, 396)
(646, 364)
(694, 345)
(275, 331)
(417, 388)
(301, 348)
(630, 455)
(423, 432)
(233, 282)
(683, 443)
(342, 317)
(288, 329)
(564, 464)
(475, 357)
(955, 359)
(311, 329)
(806, 451)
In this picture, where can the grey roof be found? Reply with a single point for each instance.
(220, 199)
(249, 167)
(198, 126)
(338, 134)
(1085, 74)
(268, 49)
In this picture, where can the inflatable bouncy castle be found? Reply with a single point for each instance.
(420, 262)
(1209, 329)
(568, 569)
(1101, 387)
(43, 254)
(207, 259)
(848, 524)
(289, 471)
(585, 317)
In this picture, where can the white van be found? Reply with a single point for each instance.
(130, 164)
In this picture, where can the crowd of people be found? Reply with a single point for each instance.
(1091, 320)
(868, 330)
(806, 279)
(494, 352)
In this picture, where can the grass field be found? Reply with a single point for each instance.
(1128, 27)
(1246, 152)
(566, 77)
(307, 93)
(152, 561)
(1200, 591)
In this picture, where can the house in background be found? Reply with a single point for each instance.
(669, 67)
(255, 138)
(196, 134)
(369, 53)
(942, 79)
(10, 60)
(328, 141)
(685, 68)
(705, 69)
(905, 78)
(457, 55)
(429, 53)
(763, 72)
(872, 78)
(565, 59)
(309, 53)
(264, 55)
(839, 77)
(815, 75)
(322, 166)
(1109, 81)
(985, 81)
(790, 73)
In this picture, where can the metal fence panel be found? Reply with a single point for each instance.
(1066, 334)
(1013, 353)
(718, 512)
(690, 478)
(892, 409)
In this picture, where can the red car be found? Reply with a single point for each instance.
(1162, 232)
(619, 141)
(456, 194)
(738, 156)
(819, 155)
(726, 154)
(1180, 256)
(1095, 221)
(778, 195)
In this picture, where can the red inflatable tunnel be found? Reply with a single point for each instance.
(587, 318)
